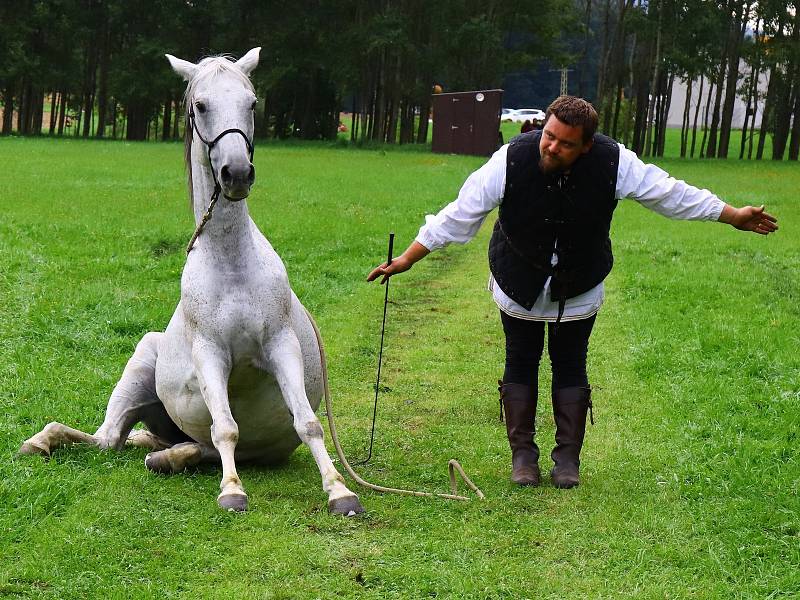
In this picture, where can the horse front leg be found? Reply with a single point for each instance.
(213, 370)
(286, 361)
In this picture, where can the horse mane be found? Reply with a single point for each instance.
(208, 68)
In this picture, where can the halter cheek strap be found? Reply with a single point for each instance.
(217, 187)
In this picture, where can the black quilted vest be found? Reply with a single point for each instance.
(566, 214)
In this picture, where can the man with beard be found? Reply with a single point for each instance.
(549, 253)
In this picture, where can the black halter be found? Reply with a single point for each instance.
(217, 186)
(212, 143)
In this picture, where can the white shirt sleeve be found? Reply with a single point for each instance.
(654, 188)
(459, 221)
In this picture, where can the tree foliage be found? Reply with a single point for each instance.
(100, 63)
(719, 48)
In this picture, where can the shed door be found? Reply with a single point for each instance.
(461, 128)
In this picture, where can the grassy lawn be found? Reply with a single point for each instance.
(691, 474)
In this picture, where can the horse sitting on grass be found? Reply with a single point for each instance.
(238, 372)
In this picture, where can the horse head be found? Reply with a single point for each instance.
(220, 104)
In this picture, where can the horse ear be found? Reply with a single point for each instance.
(182, 67)
(249, 61)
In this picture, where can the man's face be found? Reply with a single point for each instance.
(561, 145)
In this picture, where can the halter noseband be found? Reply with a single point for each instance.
(217, 186)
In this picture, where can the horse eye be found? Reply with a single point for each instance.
(201, 108)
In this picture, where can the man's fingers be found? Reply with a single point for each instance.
(764, 227)
(377, 272)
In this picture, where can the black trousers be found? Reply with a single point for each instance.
(567, 348)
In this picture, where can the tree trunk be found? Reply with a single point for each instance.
(696, 113)
(38, 111)
(89, 86)
(711, 150)
(167, 121)
(177, 120)
(705, 119)
(783, 112)
(77, 123)
(585, 50)
(667, 102)
(685, 119)
(656, 75)
(114, 119)
(794, 144)
(23, 111)
(752, 98)
(737, 31)
(8, 109)
(766, 116)
(53, 111)
(379, 131)
(787, 92)
(424, 115)
(137, 122)
(642, 106)
(102, 96)
(394, 103)
(62, 113)
(601, 72)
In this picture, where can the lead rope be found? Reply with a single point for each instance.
(453, 464)
(206, 218)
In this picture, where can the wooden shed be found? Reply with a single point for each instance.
(467, 122)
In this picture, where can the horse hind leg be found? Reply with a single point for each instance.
(128, 403)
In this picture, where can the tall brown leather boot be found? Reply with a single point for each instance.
(569, 410)
(519, 404)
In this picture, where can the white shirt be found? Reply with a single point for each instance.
(459, 221)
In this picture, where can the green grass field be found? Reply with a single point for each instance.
(690, 477)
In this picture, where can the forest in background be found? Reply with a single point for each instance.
(98, 65)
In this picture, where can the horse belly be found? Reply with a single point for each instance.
(266, 430)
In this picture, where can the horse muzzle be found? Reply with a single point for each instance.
(236, 180)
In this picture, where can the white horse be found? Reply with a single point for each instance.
(238, 373)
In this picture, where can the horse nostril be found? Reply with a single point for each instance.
(225, 173)
(251, 177)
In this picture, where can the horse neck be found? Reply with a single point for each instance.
(229, 226)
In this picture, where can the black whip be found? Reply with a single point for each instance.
(380, 357)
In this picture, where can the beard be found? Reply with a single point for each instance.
(548, 164)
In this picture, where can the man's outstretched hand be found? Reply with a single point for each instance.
(398, 265)
(404, 262)
(749, 218)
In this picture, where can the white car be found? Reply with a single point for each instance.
(507, 114)
(528, 114)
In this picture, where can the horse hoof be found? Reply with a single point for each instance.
(30, 448)
(348, 506)
(233, 502)
(157, 462)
